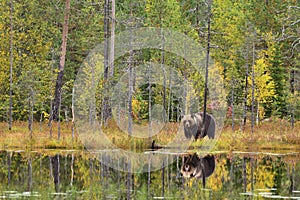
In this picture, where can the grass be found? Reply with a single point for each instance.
(277, 134)
(19, 137)
(269, 135)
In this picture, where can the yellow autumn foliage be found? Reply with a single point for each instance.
(264, 86)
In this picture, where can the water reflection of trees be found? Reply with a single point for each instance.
(77, 174)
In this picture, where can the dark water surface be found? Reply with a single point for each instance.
(55, 174)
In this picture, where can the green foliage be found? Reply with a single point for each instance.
(271, 26)
(239, 25)
(278, 73)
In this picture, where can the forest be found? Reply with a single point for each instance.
(254, 46)
(75, 75)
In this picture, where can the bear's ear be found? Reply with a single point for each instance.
(193, 116)
(181, 116)
(195, 158)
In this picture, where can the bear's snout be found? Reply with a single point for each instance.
(186, 168)
(187, 125)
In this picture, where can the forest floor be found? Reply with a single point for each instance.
(276, 136)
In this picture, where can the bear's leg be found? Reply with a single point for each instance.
(211, 129)
(187, 133)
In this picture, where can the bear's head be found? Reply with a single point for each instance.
(188, 121)
(190, 125)
(190, 166)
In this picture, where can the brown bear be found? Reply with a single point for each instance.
(194, 126)
(197, 167)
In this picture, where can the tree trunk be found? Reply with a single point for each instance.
(257, 112)
(292, 82)
(92, 102)
(184, 101)
(9, 155)
(73, 115)
(58, 122)
(106, 38)
(253, 87)
(169, 117)
(41, 118)
(72, 170)
(132, 182)
(66, 117)
(105, 105)
(163, 179)
(149, 102)
(246, 88)
(232, 107)
(130, 88)
(169, 173)
(29, 183)
(51, 95)
(252, 173)
(11, 65)
(164, 73)
(129, 177)
(149, 177)
(30, 111)
(292, 179)
(130, 84)
(112, 38)
(207, 62)
(59, 80)
(56, 171)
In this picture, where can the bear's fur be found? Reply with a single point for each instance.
(197, 167)
(194, 126)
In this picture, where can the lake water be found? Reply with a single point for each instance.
(60, 174)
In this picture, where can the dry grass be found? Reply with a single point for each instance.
(19, 136)
(270, 135)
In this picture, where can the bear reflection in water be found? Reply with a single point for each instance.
(194, 166)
